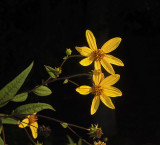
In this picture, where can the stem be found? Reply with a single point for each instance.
(59, 121)
(68, 127)
(71, 56)
(72, 76)
(45, 82)
(78, 135)
(58, 79)
(73, 83)
(4, 140)
(29, 136)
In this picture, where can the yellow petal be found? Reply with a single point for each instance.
(24, 123)
(107, 66)
(111, 44)
(34, 128)
(97, 65)
(91, 40)
(110, 80)
(114, 60)
(87, 61)
(95, 104)
(97, 77)
(112, 91)
(85, 51)
(84, 90)
(107, 101)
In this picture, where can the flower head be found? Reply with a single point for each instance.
(95, 131)
(102, 90)
(100, 56)
(31, 120)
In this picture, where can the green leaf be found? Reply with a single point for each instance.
(10, 90)
(20, 97)
(1, 141)
(7, 120)
(80, 142)
(70, 141)
(64, 125)
(65, 81)
(42, 91)
(32, 108)
(53, 73)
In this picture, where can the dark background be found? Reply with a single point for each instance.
(42, 30)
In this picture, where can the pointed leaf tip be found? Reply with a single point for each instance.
(10, 90)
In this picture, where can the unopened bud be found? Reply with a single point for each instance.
(68, 51)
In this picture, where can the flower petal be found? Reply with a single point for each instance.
(85, 51)
(112, 91)
(23, 123)
(95, 104)
(107, 66)
(84, 90)
(107, 101)
(34, 128)
(91, 40)
(110, 80)
(114, 60)
(87, 61)
(111, 44)
(97, 65)
(97, 77)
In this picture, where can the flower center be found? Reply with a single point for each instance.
(33, 118)
(97, 90)
(98, 54)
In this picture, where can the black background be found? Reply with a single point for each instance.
(41, 31)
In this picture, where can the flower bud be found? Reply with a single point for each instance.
(68, 51)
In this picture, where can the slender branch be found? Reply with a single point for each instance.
(4, 140)
(58, 79)
(68, 127)
(71, 56)
(69, 77)
(78, 136)
(59, 121)
(73, 83)
(29, 136)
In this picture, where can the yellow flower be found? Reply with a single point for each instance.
(102, 89)
(32, 121)
(99, 56)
